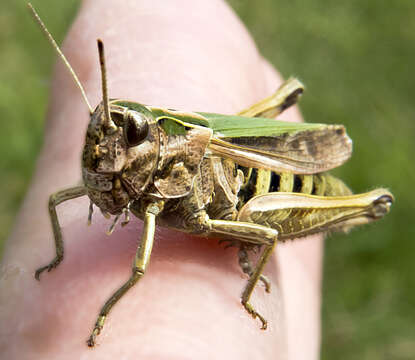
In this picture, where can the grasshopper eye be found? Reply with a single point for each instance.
(135, 129)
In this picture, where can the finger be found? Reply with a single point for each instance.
(188, 300)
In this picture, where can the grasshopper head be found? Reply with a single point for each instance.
(120, 155)
(121, 150)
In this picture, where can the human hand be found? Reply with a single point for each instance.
(191, 55)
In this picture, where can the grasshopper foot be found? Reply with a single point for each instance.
(91, 341)
(248, 307)
(49, 267)
(97, 330)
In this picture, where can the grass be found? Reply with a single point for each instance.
(355, 58)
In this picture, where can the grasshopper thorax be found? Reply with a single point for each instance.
(120, 155)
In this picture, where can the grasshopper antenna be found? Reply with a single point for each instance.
(105, 98)
(60, 53)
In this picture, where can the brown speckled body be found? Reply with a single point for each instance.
(193, 185)
(178, 169)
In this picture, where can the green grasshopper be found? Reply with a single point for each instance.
(247, 179)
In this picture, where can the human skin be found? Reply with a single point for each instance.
(191, 55)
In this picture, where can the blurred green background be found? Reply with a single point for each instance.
(355, 58)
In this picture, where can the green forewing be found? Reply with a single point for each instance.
(237, 126)
(280, 146)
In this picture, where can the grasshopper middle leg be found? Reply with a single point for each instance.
(247, 267)
(54, 200)
(256, 234)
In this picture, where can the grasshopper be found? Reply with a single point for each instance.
(247, 179)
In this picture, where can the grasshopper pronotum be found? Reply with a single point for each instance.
(246, 178)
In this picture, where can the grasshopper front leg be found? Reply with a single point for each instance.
(54, 200)
(141, 260)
